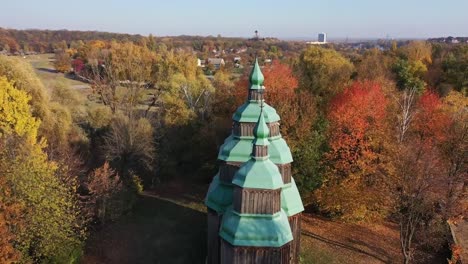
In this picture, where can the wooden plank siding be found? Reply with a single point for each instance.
(285, 170)
(295, 224)
(260, 151)
(227, 171)
(254, 255)
(256, 201)
(214, 222)
(255, 95)
(246, 129)
(274, 129)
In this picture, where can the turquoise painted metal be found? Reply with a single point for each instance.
(261, 131)
(290, 199)
(256, 78)
(260, 174)
(250, 111)
(255, 230)
(219, 195)
(235, 149)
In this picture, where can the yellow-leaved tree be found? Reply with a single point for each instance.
(15, 115)
(50, 227)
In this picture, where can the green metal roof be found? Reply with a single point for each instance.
(290, 199)
(260, 174)
(261, 131)
(219, 195)
(256, 77)
(239, 150)
(255, 230)
(250, 111)
(279, 151)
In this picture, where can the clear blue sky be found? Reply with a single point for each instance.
(283, 19)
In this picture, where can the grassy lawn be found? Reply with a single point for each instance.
(43, 64)
(157, 231)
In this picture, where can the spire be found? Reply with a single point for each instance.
(261, 142)
(261, 130)
(256, 77)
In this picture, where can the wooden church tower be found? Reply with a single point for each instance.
(229, 195)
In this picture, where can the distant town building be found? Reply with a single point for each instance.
(322, 37)
(216, 62)
(241, 50)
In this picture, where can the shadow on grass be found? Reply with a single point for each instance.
(47, 70)
(157, 231)
(387, 259)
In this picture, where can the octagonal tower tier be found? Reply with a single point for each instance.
(237, 150)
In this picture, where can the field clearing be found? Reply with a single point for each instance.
(43, 65)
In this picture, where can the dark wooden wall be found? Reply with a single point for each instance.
(295, 224)
(254, 255)
(214, 222)
(256, 201)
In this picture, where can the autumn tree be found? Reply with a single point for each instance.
(120, 74)
(192, 92)
(455, 69)
(51, 226)
(353, 184)
(417, 164)
(62, 61)
(374, 65)
(173, 62)
(223, 104)
(9, 221)
(104, 185)
(24, 78)
(55, 119)
(323, 72)
(454, 155)
(129, 146)
(186, 92)
(15, 116)
(280, 81)
(410, 74)
(418, 51)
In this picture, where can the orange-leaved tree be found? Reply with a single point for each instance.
(352, 188)
(9, 212)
